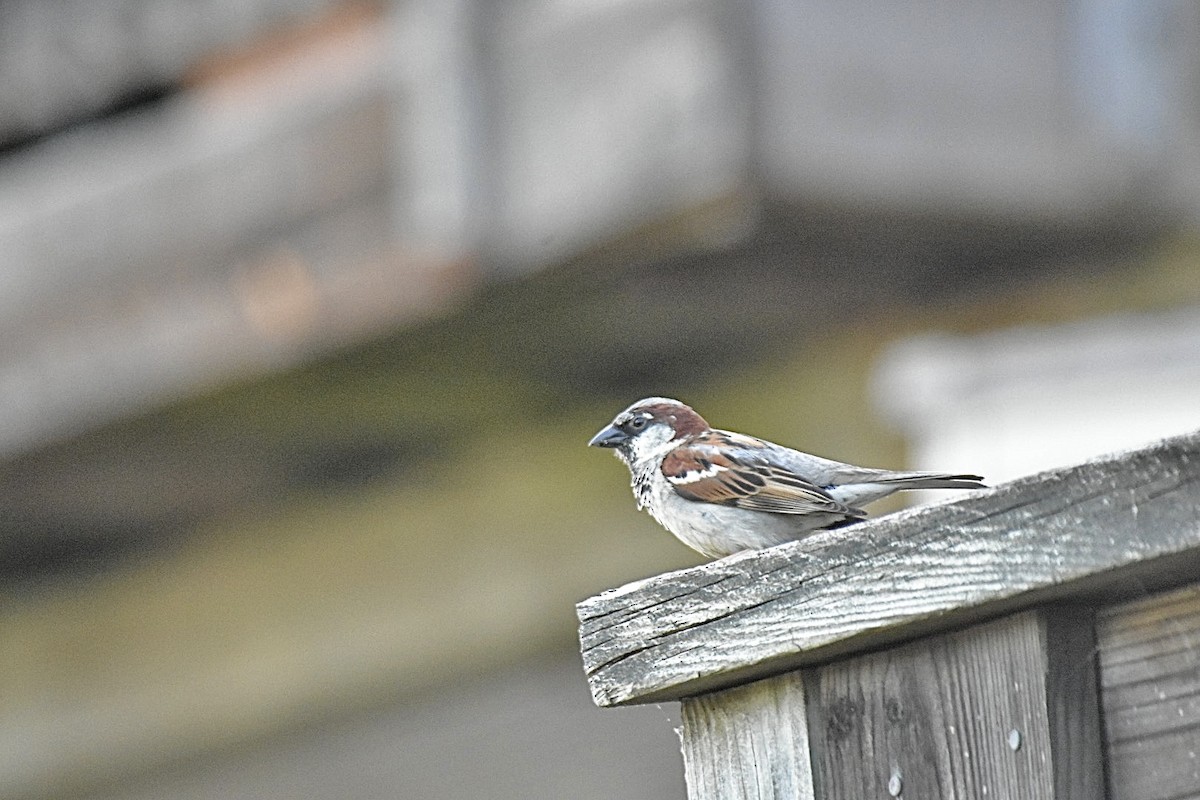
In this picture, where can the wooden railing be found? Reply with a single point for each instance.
(1037, 640)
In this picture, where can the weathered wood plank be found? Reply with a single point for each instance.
(1117, 525)
(66, 61)
(749, 742)
(976, 713)
(1150, 690)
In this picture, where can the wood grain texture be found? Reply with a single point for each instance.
(1115, 525)
(936, 718)
(749, 742)
(1150, 690)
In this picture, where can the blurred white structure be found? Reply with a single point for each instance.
(1012, 403)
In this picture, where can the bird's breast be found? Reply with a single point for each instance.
(643, 485)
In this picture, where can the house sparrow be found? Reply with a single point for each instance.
(721, 492)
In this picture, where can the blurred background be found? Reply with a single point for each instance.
(308, 308)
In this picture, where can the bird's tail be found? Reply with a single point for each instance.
(932, 480)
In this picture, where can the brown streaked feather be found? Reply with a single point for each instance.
(700, 470)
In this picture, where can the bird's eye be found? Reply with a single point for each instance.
(636, 423)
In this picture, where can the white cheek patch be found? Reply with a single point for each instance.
(652, 443)
(693, 475)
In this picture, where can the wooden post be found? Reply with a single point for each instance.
(1149, 662)
(982, 712)
(750, 741)
(945, 652)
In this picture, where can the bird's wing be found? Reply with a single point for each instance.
(735, 470)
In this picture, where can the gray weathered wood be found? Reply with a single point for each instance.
(1073, 702)
(847, 110)
(1150, 688)
(749, 742)
(1118, 525)
(972, 714)
(68, 60)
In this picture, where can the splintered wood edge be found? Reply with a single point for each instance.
(1121, 525)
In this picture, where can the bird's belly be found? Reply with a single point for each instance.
(717, 530)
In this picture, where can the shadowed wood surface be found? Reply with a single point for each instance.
(1116, 525)
(748, 743)
(1072, 701)
(1150, 684)
(974, 713)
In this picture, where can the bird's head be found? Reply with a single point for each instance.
(649, 428)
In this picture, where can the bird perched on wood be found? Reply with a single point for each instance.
(721, 492)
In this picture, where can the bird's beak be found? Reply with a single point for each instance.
(609, 437)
